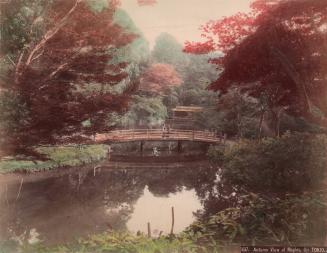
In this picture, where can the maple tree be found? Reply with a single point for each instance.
(276, 53)
(52, 67)
(159, 77)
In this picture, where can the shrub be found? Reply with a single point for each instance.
(262, 220)
(292, 163)
(114, 242)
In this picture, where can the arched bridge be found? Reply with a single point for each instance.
(157, 135)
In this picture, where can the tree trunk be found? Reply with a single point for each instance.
(276, 119)
(262, 115)
(239, 125)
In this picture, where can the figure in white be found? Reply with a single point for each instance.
(155, 151)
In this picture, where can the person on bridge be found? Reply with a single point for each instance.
(164, 129)
(109, 151)
(155, 151)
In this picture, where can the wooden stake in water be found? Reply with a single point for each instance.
(20, 188)
(172, 220)
(7, 195)
(149, 230)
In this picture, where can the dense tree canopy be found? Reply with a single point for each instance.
(288, 66)
(169, 51)
(61, 47)
(158, 78)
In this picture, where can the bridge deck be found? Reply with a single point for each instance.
(157, 135)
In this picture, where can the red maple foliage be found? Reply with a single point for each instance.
(277, 51)
(52, 72)
(158, 78)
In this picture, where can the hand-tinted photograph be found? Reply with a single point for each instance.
(163, 126)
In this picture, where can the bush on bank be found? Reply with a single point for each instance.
(291, 163)
(280, 184)
(260, 220)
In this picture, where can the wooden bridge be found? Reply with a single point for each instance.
(157, 135)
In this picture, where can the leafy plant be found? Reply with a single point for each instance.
(292, 163)
(259, 219)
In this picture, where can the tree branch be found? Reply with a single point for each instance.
(18, 66)
(61, 67)
(11, 61)
(51, 33)
(38, 56)
(294, 75)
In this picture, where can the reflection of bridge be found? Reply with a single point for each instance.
(157, 135)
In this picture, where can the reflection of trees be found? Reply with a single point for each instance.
(75, 204)
(212, 192)
(79, 203)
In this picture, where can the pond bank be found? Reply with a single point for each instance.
(66, 156)
(59, 157)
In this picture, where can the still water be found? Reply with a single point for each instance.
(57, 207)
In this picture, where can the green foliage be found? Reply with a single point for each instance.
(13, 118)
(292, 163)
(144, 111)
(168, 50)
(138, 50)
(197, 74)
(295, 124)
(137, 53)
(198, 95)
(98, 5)
(13, 112)
(21, 23)
(281, 181)
(59, 156)
(233, 113)
(122, 243)
(261, 220)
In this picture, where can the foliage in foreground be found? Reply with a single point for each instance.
(292, 163)
(279, 191)
(122, 243)
(59, 156)
(259, 219)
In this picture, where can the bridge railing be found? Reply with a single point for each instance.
(157, 134)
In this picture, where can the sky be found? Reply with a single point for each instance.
(180, 18)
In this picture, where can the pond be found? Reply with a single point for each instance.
(57, 207)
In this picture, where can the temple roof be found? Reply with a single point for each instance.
(188, 109)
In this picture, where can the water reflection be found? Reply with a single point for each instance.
(157, 211)
(63, 207)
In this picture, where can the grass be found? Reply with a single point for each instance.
(59, 156)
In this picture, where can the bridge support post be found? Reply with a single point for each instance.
(179, 146)
(141, 146)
